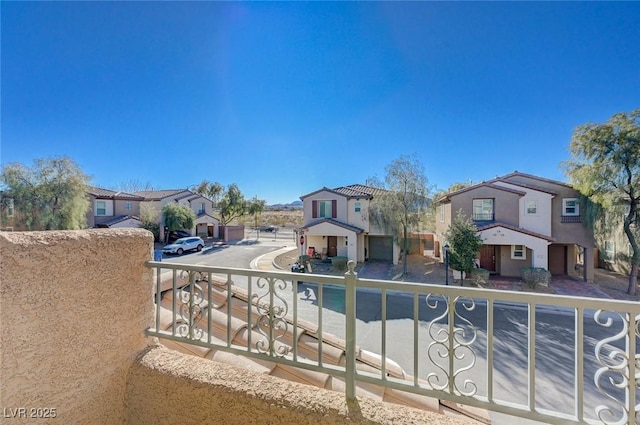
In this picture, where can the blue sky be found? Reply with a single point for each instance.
(283, 98)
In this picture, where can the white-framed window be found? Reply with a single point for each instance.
(358, 206)
(127, 205)
(483, 209)
(324, 209)
(518, 252)
(532, 207)
(570, 206)
(442, 213)
(201, 208)
(609, 251)
(101, 208)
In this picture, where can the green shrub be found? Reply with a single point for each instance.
(339, 263)
(534, 276)
(153, 228)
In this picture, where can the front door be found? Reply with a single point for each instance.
(332, 246)
(488, 257)
(558, 259)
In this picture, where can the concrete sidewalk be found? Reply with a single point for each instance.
(422, 270)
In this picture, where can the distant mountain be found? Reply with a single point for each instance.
(292, 205)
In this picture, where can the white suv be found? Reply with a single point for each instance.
(184, 244)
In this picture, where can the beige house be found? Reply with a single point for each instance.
(206, 225)
(337, 222)
(524, 221)
(113, 209)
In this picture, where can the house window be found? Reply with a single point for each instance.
(101, 208)
(570, 206)
(609, 251)
(202, 209)
(442, 213)
(358, 206)
(324, 209)
(532, 207)
(127, 206)
(518, 252)
(483, 209)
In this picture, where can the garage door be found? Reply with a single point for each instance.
(380, 248)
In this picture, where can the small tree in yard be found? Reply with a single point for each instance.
(404, 202)
(464, 243)
(178, 217)
(149, 219)
(254, 208)
(232, 205)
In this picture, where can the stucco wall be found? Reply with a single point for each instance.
(167, 387)
(74, 308)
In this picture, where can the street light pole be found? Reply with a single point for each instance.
(446, 264)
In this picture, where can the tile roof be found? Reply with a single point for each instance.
(99, 192)
(117, 219)
(506, 179)
(448, 196)
(523, 185)
(534, 177)
(516, 229)
(156, 195)
(232, 311)
(335, 223)
(357, 191)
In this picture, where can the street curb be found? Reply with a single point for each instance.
(254, 263)
(273, 261)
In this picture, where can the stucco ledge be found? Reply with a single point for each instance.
(165, 386)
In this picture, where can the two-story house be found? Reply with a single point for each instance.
(337, 222)
(524, 221)
(206, 225)
(109, 208)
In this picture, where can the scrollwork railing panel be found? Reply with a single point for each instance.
(271, 324)
(452, 342)
(619, 374)
(192, 303)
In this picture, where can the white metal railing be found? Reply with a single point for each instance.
(548, 358)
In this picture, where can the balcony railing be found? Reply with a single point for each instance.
(554, 359)
(571, 219)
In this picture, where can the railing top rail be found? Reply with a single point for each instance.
(420, 288)
(502, 295)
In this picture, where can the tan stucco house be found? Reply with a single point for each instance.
(206, 225)
(524, 221)
(109, 208)
(337, 222)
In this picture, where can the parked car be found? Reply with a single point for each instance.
(269, 229)
(192, 243)
(174, 235)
